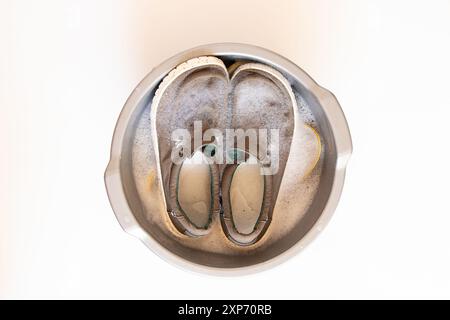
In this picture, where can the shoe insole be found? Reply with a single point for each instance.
(194, 189)
(246, 196)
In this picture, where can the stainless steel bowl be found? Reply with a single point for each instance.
(127, 203)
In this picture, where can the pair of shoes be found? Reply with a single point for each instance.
(222, 138)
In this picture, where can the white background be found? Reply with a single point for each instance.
(67, 68)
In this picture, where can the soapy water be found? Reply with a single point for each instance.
(296, 192)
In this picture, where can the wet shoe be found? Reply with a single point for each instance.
(260, 98)
(193, 92)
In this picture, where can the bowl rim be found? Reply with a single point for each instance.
(331, 109)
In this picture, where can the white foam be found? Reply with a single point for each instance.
(305, 112)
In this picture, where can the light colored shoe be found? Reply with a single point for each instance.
(260, 98)
(193, 91)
